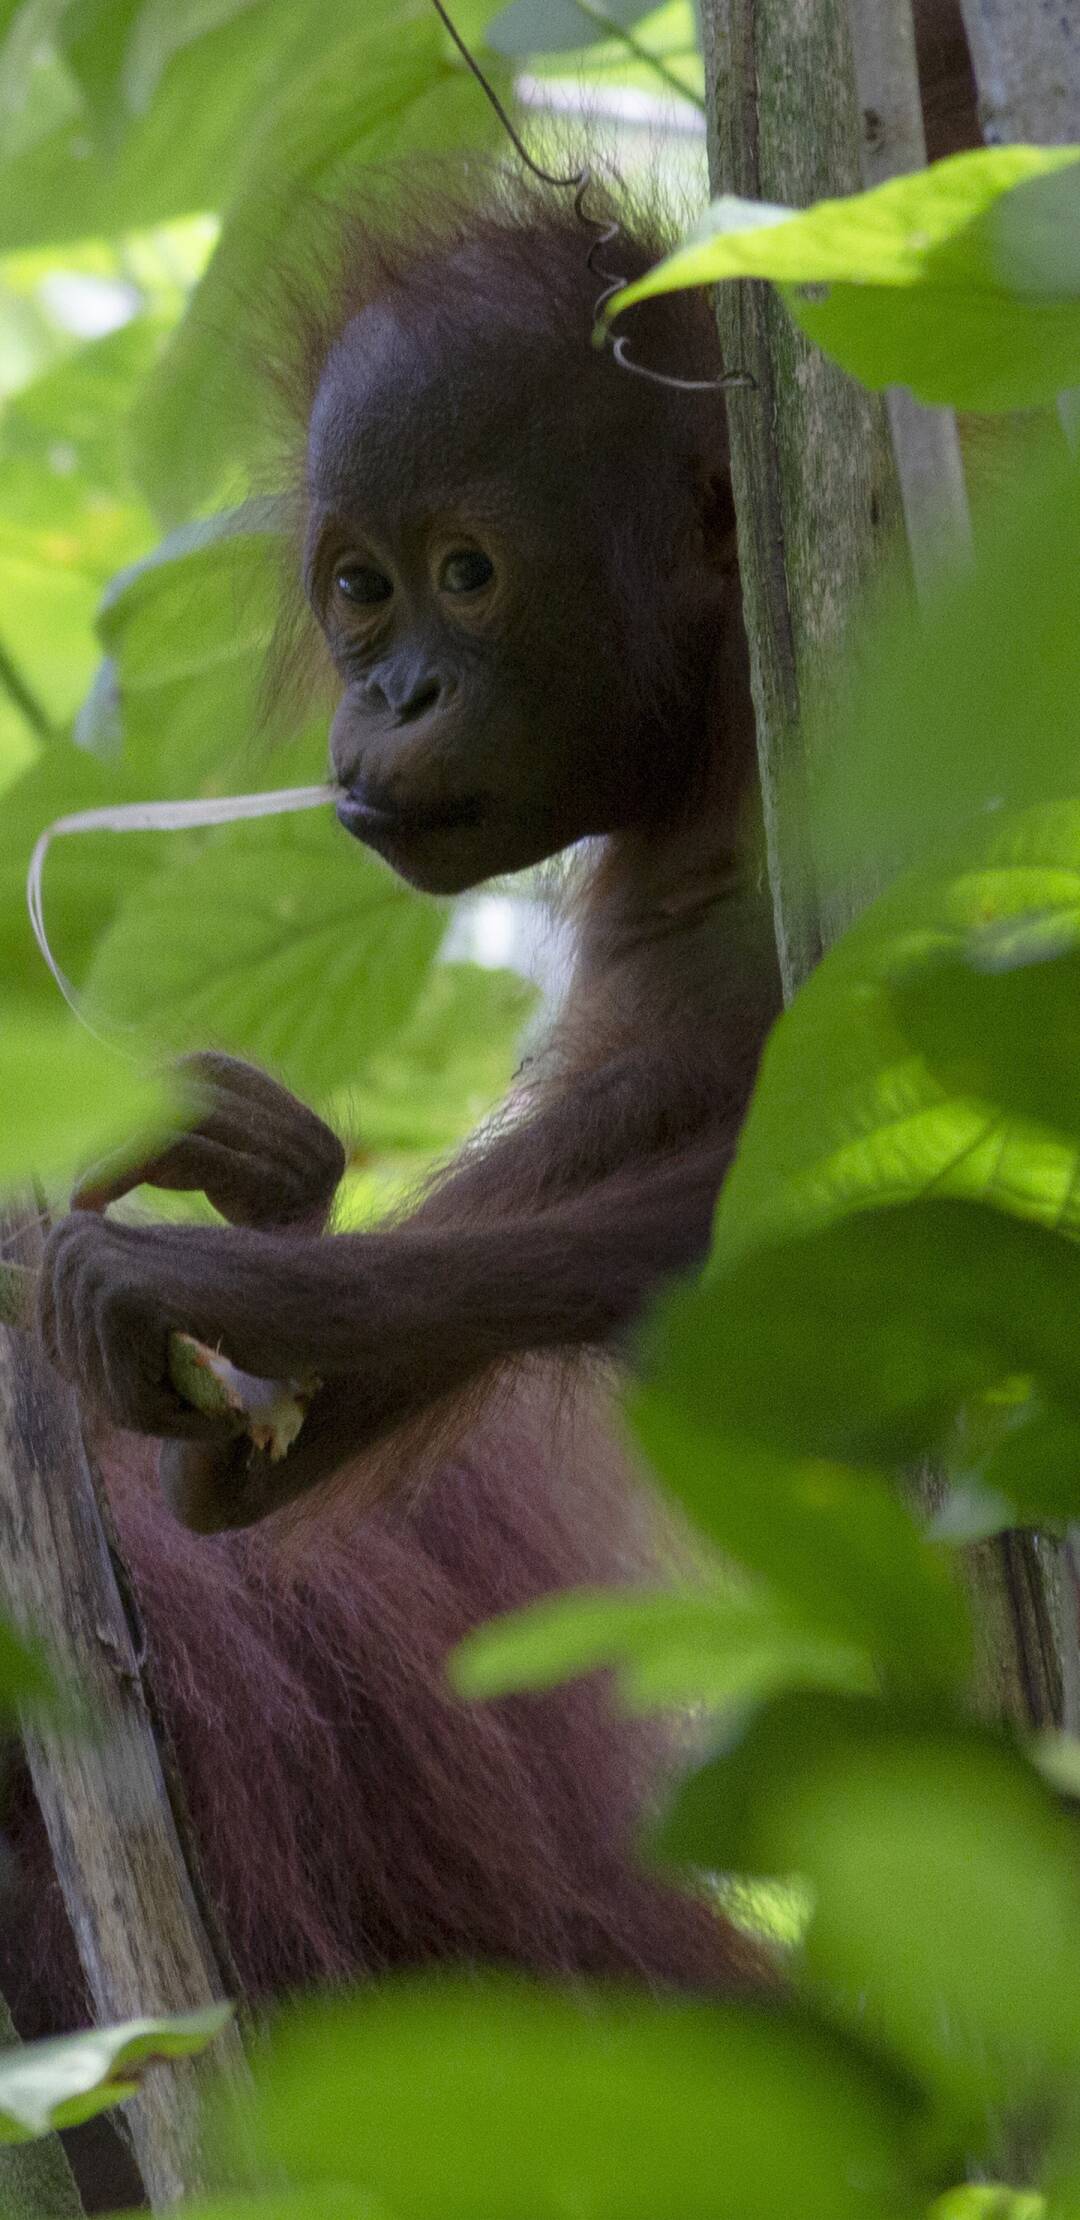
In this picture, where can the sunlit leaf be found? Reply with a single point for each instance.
(67, 1098)
(58, 2083)
(85, 880)
(988, 2200)
(381, 86)
(285, 941)
(918, 282)
(452, 1060)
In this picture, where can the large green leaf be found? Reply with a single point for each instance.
(67, 1098)
(56, 2084)
(718, 1648)
(377, 90)
(485, 2100)
(285, 941)
(82, 176)
(864, 1340)
(865, 1100)
(945, 1881)
(451, 1062)
(969, 708)
(66, 493)
(186, 633)
(924, 281)
(85, 879)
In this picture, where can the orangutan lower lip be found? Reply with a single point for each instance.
(374, 821)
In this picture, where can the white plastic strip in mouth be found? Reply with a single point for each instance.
(152, 817)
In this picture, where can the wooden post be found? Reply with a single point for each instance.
(1026, 58)
(103, 1796)
(926, 449)
(815, 489)
(818, 506)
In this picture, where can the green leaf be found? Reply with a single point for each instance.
(945, 1879)
(918, 282)
(1036, 1470)
(836, 1544)
(996, 1011)
(380, 87)
(285, 942)
(315, 2201)
(488, 2100)
(867, 1097)
(186, 632)
(863, 1341)
(714, 1648)
(67, 1098)
(988, 2200)
(86, 879)
(185, 153)
(59, 2083)
(451, 1062)
(160, 30)
(968, 710)
(560, 26)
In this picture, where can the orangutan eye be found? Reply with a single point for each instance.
(362, 583)
(465, 572)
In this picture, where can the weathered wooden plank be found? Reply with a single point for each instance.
(129, 1894)
(926, 447)
(815, 488)
(1026, 57)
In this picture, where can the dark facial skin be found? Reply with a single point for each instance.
(461, 575)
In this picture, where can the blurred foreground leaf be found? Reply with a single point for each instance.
(836, 1543)
(489, 2100)
(969, 706)
(945, 1878)
(67, 1098)
(717, 1649)
(58, 2083)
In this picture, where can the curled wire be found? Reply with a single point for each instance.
(607, 231)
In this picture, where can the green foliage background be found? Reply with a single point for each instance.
(897, 1243)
